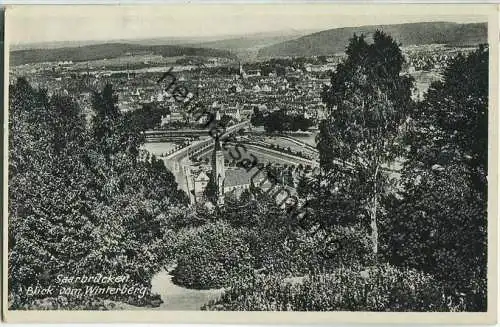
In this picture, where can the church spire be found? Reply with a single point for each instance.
(217, 144)
(242, 72)
(218, 170)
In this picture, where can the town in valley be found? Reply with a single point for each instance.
(319, 167)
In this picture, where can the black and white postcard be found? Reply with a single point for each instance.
(251, 163)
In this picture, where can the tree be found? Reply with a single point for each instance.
(459, 106)
(304, 189)
(439, 224)
(50, 190)
(254, 190)
(225, 120)
(275, 122)
(322, 59)
(147, 117)
(368, 101)
(299, 122)
(211, 190)
(80, 201)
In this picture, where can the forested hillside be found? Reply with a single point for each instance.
(108, 50)
(333, 41)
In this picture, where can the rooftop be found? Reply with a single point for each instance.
(240, 176)
(202, 177)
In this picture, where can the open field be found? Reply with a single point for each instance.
(262, 155)
(306, 138)
(159, 148)
(285, 143)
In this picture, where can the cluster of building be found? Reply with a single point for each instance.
(432, 57)
(297, 90)
(236, 95)
(239, 94)
(276, 179)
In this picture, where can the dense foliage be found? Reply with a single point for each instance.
(440, 223)
(147, 117)
(80, 201)
(279, 121)
(212, 255)
(382, 288)
(283, 243)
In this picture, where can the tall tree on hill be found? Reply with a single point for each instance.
(50, 190)
(440, 224)
(368, 101)
(111, 129)
(79, 200)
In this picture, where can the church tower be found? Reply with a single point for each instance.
(242, 72)
(218, 171)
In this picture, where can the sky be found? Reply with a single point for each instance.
(34, 24)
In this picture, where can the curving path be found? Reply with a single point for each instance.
(180, 298)
(299, 142)
(184, 152)
(271, 154)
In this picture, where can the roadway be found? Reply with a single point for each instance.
(178, 162)
(264, 155)
(197, 145)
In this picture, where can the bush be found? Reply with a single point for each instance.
(440, 227)
(211, 255)
(383, 288)
(324, 250)
(87, 302)
(299, 252)
(286, 244)
(85, 203)
(180, 218)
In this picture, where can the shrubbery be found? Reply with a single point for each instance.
(316, 250)
(383, 288)
(81, 202)
(211, 255)
(323, 250)
(86, 302)
(284, 244)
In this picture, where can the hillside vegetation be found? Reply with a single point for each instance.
(334, 40)
(109, 50)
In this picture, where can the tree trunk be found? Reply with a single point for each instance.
(373, 225)
(373, 215)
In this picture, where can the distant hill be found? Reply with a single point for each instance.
(109, 50)
(246, 47)
(243, 46)
(335, 40)
(257, 40)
